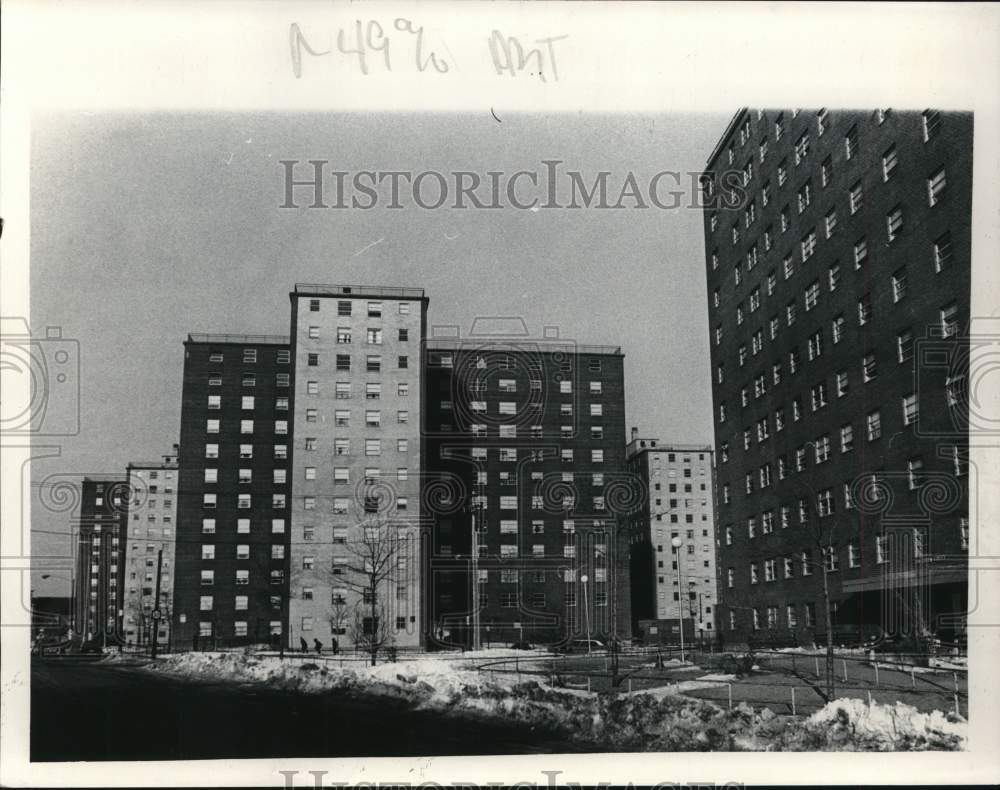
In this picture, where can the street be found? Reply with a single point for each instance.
(85, 711)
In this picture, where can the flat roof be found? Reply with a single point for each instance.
(208, 337)
(384, 291)
(527, 346)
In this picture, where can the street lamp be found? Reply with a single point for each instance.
(586, 609)
(677, 543)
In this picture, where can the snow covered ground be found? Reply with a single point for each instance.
(659, 720)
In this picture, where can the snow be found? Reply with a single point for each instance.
(660, 719)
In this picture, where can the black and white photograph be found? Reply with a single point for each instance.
(384, 385)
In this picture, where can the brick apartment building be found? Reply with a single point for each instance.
(232, 544)
(839, 297)
(672, 582)
(100, 559)
(527, 439)
(356, 510)
(149, 550)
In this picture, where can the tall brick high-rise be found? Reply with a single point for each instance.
(100, 560)
(356, 510)
(838, 267)
(526, 440)
(231, 576)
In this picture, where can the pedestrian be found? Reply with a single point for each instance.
(319, 647)
(303, 644)
(334, 645)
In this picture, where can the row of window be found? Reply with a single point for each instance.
(243, 501)
(510, 454)
(373, 335)
(242, 553)
(280, 451)
(247, 403)
(372, 309)
(246, 426)
(815, 348)
(910, 407)
(529, 358)
(343, 390)
(240, 628)
(373, 362)
(283, 356)
(250, 379)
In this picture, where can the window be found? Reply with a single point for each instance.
(855, 198)
(851, 142)
(211, 426)
(830, 222)
(931, 124)
(898, 285)
(812, 295)
(373, 446)
(869, 370)
(808, 245)
(860, 252)
(842, 383)
(373, 363)
(911, 409)
(873, 425)
(846, 438)
(913, 469)
(804, 196)
(894, 223)
(881, 554)
(942, 252)
(864, 309)
(838, 328)
(889, 162)
(343, 362)
(904, 346)
(949, 320)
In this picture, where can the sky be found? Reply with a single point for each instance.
(145, 227)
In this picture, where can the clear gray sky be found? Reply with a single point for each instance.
(147, 227)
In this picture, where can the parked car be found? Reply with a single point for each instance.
(521, 646)
(581, 646)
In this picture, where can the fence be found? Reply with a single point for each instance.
(787, 682)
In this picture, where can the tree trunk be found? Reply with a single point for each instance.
(373, 637)
(829, 633)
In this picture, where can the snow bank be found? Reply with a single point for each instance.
(852, 724)
(656, 720)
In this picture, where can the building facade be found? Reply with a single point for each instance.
(673, 582)
(100, 560)
(525, 487)
(356, 511)
(232, 543)
(149, 551)
(838, 268)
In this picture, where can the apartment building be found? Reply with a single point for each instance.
(671, 583)
(149, 551)
(232, 541)
(838, 268)
(356, 511)
(525, 488)
(100, 559)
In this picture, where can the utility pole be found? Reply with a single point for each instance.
(475, 581)
(154, 631)
(676, 543)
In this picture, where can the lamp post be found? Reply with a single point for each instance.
(586, 609)
(677, 543)
(476, 641)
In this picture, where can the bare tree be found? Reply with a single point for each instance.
(372, 570)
